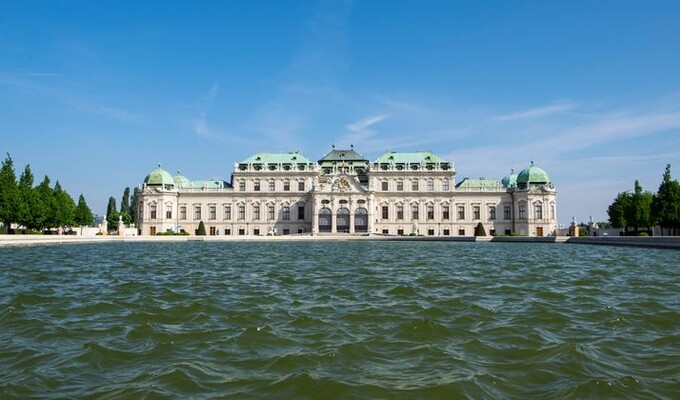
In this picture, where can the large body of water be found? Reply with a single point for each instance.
(339, 320)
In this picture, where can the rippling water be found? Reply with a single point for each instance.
(339, 320)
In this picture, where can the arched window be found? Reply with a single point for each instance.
(361, 220)
(342, 221)
(325, 219)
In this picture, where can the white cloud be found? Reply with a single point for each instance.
(537, 112)
(363, 124)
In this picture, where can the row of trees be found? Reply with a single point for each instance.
(643, 210)
(128, 209)
(37, 207)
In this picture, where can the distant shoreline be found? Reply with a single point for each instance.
(667, 242)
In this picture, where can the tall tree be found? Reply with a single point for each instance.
(638, 214)
(125, 201)
(43, 213)
(64, 207)
(134, 207)
(83, 215)
(666, 202)
(112, 214)
(9, 194)
(27, 200)
(617, 210)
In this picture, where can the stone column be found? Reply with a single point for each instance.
(334, 217)
(371, 213)
(315, 215)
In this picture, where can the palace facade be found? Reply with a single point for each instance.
(343, 193)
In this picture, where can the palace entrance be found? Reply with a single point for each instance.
(325, 220)
(342, 224)
(361, 220)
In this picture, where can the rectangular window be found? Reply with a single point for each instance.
(197, 212)
(213, 231)
(430, 185)
(270, 213)
(400, 212)
(183, 212)
(430, 211)
(168, 213)
(475, 212)
(414, 186)
(286, 213)
(400, 186)
(227, 231)
(461, 212)
(508, 232)
(256, 232)
(241, 212)
(212, 212)
(447, 232)
(400, 231)
(242, 186)
(385, 231)
(272, 186)
(256, 213)
(538, 211)
(301, 212)
(241, 232)
(385, 212)
(414, 212)
(445, 212)
(522, 211)
(286, 186)
(227, 212)
(506, 212)
(257, 186)
(301, 186)
(492, 212)
(384, 186)
(286, 231)
(552, 211)
(152, 210)
(445, 185)
(461, 232)
(430, 232)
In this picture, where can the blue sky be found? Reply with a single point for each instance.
(96, 94)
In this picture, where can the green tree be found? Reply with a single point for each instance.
(43, 213)
(9, 194)
(666, 202)
(112, 215)
(83, 215)
(617, 210)
(27, 200)
(638, 214)
(134, 207)
(64, 207)
(479, 230)
(201, 229)
(125, 202)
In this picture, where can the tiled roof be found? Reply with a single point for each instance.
(292, 157)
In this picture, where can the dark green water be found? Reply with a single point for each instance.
(339, 320)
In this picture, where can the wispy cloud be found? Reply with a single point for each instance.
(536, 112)
(363, 124)
(64, 93)
(308, 89)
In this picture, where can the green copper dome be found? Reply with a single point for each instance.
(181, 181)
(159, 177)
(510, 180)
(532, 176)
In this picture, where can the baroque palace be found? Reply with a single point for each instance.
(400, 193)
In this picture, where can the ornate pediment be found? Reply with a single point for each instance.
(341, 184)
